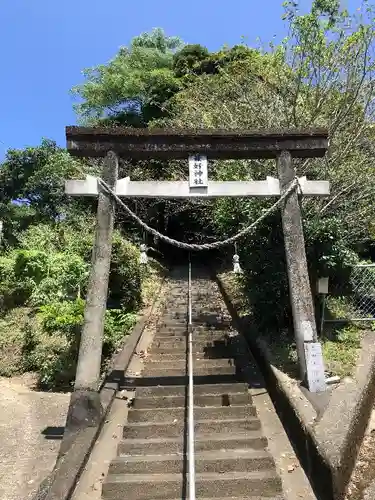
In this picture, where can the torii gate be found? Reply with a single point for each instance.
(142, 144)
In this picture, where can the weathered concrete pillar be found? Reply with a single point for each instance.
(85, 408)
(299, 283)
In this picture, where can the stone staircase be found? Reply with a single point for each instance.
(232, 460)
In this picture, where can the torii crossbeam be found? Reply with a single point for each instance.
(144, 143)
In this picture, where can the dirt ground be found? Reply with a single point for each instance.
(31, 426)
(364, 472)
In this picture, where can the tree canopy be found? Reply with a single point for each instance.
(133, 87)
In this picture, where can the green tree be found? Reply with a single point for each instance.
(133, 87)
(36, 176)
(194, 60)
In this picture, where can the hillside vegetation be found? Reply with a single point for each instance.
(44, 269)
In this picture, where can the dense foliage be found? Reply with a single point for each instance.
(44, 268)
(321, 74)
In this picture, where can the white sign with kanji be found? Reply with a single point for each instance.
(315, 367)
(198, 171)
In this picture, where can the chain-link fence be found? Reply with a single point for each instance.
(358, 301)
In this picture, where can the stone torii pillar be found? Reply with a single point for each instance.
(85, 406)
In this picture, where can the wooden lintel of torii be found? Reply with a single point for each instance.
(143, 144)
(181, 189)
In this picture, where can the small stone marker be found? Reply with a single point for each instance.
(315, 367)
(198, 171)
(307, 329)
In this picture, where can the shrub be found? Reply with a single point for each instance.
(30, 268)
(265, 278)
(11, 341)
(49, 277)
(48, 273)
(51, 345)
(117, 324)
(7, 281)
(53, 357)
(65, 317)
(42, 237)
(125, 284)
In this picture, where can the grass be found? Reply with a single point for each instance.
(341, 342)
(341, 356)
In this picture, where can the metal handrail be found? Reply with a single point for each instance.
(191, 454)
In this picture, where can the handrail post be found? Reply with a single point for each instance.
(191, 453)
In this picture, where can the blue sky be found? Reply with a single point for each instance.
(45, 44)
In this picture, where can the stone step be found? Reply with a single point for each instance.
(278, 497)
(199, 316)
(216, 350)
(160, 371)
(199, 400)
(201, 335)
(181, 321)
(178, 390)
(221, 336)
(179, 349)
(176, 429)
(180, 342)
(182, 332)
(176, 311)
(179, 317)
(164, 486)
(243, 439)
(219, 461)
(210, 322)
(175, 301)
(196, 328)
(132, 383)
(170, 329)
(172, 323)
(198, 362)
(200, 413)
(198, 336)
(177, 343)
(227, 353)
